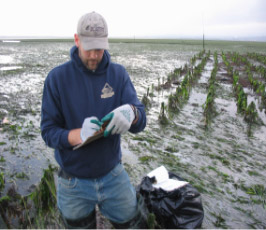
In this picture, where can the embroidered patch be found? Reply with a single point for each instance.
(107, 91)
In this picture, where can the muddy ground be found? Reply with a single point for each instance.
(223, 162)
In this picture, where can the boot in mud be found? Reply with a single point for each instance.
(88, 222)
(139, 221)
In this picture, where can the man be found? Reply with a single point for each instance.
(78, 97)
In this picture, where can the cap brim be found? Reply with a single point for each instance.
(89, 43)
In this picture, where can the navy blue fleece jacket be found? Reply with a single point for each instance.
(72, 93)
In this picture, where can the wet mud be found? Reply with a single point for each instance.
(223, 161)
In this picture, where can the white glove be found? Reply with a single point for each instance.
(120, 120)
(89, 127)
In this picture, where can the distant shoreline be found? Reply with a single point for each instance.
(132, 40)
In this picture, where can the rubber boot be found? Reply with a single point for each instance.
(139, 221)
(88, 222)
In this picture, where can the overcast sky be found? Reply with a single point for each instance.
(139, 18)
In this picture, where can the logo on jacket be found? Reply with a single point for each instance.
(107, 91)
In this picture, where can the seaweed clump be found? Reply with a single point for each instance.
(36, 210)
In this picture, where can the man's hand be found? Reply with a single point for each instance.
(89, 127)
(120, 120)
(74, 137)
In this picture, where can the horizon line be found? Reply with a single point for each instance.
(243, 38)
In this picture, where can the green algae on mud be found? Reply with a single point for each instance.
(36, 210)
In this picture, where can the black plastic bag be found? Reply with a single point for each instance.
(180, 208)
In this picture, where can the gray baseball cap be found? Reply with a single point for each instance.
(93, 32)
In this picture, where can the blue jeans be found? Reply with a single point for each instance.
(113, 193)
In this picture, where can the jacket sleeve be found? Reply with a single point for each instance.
(53, 129)
(129, 96)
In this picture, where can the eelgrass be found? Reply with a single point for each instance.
(208, 106)
(37, 210)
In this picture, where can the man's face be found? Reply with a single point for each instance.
(90, 58)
